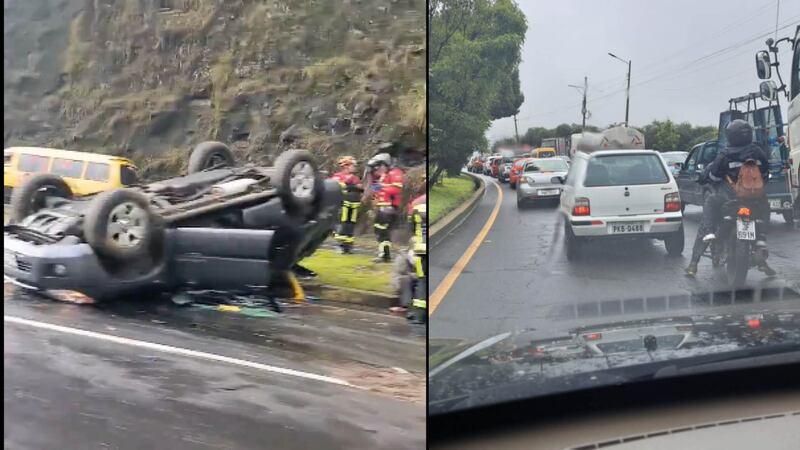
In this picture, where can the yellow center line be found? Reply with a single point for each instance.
(455, 271)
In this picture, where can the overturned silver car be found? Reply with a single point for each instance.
(219, 227)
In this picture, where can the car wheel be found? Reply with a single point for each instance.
(788, 216)
(297, 179)
(120, 226)
(675, 242)
(572, 244)
(32, 195)
(210, 155)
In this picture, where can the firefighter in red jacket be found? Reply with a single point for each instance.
(387, 187)
(418, 220)
(352, 190)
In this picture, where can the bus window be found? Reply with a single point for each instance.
(97, 172)
(67, 167)
(33, 163)
(127, 176)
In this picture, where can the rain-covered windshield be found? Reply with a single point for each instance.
(629, 255)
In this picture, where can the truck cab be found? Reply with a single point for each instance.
(700, 156)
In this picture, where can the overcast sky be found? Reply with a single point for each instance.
(568, 39)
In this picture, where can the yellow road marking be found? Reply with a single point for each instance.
(462, 262)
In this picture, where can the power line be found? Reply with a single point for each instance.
(720, 33)
(692, 66)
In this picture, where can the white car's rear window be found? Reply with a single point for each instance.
(617, 170)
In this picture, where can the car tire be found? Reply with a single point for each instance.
(675, 242)
(121, 227)
(210, 155)
(788, 216)
(572, 244)
(297, 179)
(31, 196)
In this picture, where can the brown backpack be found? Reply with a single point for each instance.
(749, 184)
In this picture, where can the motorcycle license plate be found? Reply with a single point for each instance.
(745, 230)
(774, 203)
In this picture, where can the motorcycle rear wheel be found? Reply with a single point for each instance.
(738, 262)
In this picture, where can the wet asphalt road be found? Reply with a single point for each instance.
(519, 276)
(68, 391)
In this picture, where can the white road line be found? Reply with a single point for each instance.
(176, 350)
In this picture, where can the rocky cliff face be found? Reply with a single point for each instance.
(152, 78)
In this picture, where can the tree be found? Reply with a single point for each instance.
(473, 68)
(666, 137)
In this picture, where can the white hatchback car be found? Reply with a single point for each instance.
(621, 193)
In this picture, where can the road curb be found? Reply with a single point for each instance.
(453, 218)
(338, 294)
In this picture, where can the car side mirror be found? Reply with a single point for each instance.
(557, 180)
(763, 65)
(768, 90)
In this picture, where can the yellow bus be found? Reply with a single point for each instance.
(85, 173)
(543, 152)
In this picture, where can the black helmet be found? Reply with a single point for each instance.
(739, 133)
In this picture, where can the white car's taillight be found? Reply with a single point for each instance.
(581, 207)
(672, 202)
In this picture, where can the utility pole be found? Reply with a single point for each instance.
(583, 89)
(516, 133)
(628, 94)
(628, 89)
(583, 108)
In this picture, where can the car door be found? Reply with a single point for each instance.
(686, 179)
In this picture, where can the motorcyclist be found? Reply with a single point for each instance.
(351, 188)
(387, 186)
(721, 174)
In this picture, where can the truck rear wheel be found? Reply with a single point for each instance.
(32, 195)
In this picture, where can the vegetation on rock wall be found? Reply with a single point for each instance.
(150, 79)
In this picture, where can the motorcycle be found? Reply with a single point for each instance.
(737, 248)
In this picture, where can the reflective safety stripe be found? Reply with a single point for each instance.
(381, 227)
(345, 239)
(420, 269)
(383, 245)
(354, 216)
(383, 203)
(420, 248)
(419, 303)
(350, 204)
(344, 215)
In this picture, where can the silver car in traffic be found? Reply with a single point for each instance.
(537, 183)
